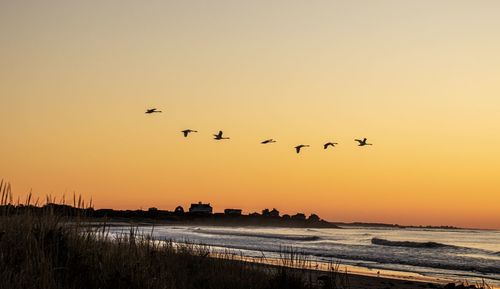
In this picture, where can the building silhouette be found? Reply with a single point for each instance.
(179, 210)
(233, 212)
(201, 208)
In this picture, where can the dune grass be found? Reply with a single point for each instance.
(44, 250)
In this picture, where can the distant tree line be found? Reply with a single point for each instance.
(232, 217)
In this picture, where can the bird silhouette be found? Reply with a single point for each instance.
(152, 110)
(186, 132)
(363, 142)
(219, 136)
(332, 144)
(268, 141)
(297, 148)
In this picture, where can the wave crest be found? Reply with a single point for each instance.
(410, 244)
(268, 236)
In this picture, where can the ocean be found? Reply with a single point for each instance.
(455, 254)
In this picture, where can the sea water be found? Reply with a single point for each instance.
(457, 254)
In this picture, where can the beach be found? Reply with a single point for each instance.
(352, 277)
(410, 254)
(41, 249)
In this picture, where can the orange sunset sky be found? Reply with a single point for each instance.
(419, 79)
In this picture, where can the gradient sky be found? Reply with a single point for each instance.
(419, 79)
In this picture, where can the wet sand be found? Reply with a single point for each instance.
(349, 277)
(352, 280)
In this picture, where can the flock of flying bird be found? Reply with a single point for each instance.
(220, 136)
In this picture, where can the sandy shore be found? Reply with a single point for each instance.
(357, 281)
(346, 276)
(350, 277)
(351, 280)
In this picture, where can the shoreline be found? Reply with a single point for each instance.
(357, 277)
(351, 277)
(365, 277)
(99, 258)
(322, 266)
(325, 267)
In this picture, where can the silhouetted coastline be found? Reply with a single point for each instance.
(41, 251)
(153, 215)
(177, 217)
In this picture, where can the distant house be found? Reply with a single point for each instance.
(151, 213)
(200, 208)
(179, 210)
(274, 213)
(254, 214)
(233, 212)
(299, 216)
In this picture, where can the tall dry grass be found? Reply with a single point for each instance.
(45, 250)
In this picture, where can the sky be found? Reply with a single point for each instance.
(419, 79)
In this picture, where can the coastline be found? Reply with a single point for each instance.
(312, 269)
(353, 277)
(74, 254)
(396, 273)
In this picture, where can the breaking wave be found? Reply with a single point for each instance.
(268, 236)
(410, 244)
